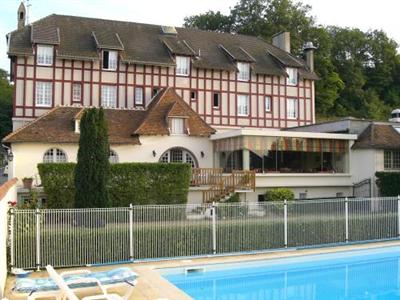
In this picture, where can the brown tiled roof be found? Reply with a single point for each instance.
(143, 43)
(45, 34)
(168, 103)
(57, 126)
(378, 136)
(124, 126)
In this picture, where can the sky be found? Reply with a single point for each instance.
(363, 14)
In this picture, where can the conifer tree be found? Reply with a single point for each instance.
(92, 167)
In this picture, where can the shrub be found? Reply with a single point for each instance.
(239, 210)
(279, 194)
(58, 184)
(136, 183)
(388, 183)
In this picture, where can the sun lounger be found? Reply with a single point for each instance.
(79, 281)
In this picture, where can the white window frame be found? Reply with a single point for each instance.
(243, 105)
(268, 103)
(219, 100)
(292, 78)
(112, 60)
(55, 154)
(187, 156)
(243, 71)
(43, 93)
(139, 97)
(177, 126)
(45, 55)
(182, 65)
(113, 157)
(76, 93)
(292, 112)
(109, 96)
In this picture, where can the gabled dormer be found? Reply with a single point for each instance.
(242, 60)
(109, 45)
(44, 38)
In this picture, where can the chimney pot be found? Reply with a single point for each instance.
(308, 50)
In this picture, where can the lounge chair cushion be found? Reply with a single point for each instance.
(30, 285)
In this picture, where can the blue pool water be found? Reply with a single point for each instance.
(365, 274)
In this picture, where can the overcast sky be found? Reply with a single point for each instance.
(364, 14)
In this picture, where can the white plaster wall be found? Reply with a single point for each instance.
(28, 155)
(363, 164)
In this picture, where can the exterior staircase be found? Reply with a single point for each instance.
(222, 185)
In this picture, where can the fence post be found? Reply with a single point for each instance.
(285, 220)
(346, 207)
(131, 232)
(37, 213)
(398, 215)
(12, 254)
(214, 227)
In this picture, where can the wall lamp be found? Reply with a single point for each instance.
(154, 153)
(202, 154)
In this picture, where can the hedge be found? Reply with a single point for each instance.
(388, 183)
(136, 183)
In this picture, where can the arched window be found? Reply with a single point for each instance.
(55, 155)
(113, 158)
(178, 155)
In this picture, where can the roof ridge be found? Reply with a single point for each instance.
(11, 134)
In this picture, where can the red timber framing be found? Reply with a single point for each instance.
(202, 82)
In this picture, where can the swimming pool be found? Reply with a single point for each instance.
(361, 274)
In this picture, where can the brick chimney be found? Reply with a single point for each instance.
(308, 50)
(282, 40)
(21, 16)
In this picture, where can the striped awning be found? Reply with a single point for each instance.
(260, 144)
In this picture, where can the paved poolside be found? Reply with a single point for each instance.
(151, 286)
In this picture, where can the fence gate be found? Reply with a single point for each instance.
(363, 188)
(77, 237)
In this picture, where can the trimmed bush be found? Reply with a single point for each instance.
(58, 184)
(279, 194)
(136, 183)
(388, 183)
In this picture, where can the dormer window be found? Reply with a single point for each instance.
(182, 65)
(44, 55)
(292, 78)
(110, 60)
(243, 71)
(178, 126)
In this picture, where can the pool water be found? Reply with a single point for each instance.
(364, 274)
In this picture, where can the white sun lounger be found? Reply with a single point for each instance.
(79, 281)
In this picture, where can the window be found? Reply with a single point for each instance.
(291, 108)
(54, 155)
(76, 92)
(113, 157)
(177, 126)
(216, 99)
(44, 55)
(108, 96)
(178, 155)
(244, 71)
(110, 60)
(391, 160)
(267, 103)
(193, 95)
(182, 65)
(44, 93)
(138, 96)
(243, 105)
(292, 76)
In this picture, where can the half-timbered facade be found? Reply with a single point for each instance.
(229, 80)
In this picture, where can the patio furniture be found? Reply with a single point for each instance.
(79, 281)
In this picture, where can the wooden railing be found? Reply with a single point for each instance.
(222, 185)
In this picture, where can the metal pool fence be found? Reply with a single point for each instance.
(74, 237)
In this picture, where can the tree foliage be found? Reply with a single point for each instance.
(359, 71)
(91, 172)
(5, 104)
